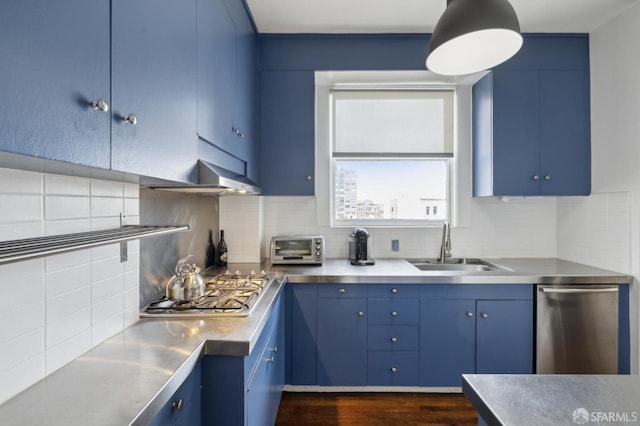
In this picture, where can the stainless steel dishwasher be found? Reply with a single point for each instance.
(577, 329)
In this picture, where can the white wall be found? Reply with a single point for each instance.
(56, 308)
(604, 229)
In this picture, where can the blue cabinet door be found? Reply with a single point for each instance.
(565, 133)
(266, 380)
(154, 78)
(287, 139)
(447, 341)
(54, 61)
(516, 139)
(185, 405)
(216, 73)
(245, 100)
(531, 133)
(504, 337)
(342, 342)
(228, 87)
(301, 324)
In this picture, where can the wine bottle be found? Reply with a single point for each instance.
(222, 251)
(211, 252)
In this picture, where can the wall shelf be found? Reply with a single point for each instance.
(31, 248)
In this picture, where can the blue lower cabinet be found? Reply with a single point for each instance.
(246, 390)
(393, 368)
(447, 341)
(342, 342)
(504, 337)
(301, 325)
(184, 407)
(459, 336)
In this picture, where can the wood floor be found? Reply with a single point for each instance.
(300, 409)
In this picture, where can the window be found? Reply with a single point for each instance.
(391, 155)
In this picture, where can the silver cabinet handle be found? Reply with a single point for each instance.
(394, 314)
(547, 177)
(271, 360)
(484, 315)
(535, 177)
(308, 177)
(470, 314)
(100, 104)
(394, 340)
(274, 350)
(342, 290)
(394, 290)
(394, 370)
(131, 119)
(178, 405)
(360, 313)
(237, 132)
(578, 290)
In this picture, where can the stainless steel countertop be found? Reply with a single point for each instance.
(520, 271)
(539, 400)
(127, 379)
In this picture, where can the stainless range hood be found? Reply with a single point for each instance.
(214, 180)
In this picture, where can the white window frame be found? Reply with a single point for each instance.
(459, 169)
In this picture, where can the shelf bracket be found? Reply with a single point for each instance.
(124, 245)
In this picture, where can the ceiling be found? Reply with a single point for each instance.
(420, 16)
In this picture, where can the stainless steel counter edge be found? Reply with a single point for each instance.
(399, 271)
(129, 377)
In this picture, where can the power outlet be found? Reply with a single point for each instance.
(395, 245)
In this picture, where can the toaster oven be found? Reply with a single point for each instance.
(297, 249)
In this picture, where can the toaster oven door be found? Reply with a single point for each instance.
(293, 248)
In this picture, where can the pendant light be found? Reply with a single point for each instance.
(472, 36)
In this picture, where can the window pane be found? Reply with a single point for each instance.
(390, 189)
(393, 121)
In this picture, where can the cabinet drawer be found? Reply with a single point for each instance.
(393, 291)
(342, 291)
(394, 312)
(393, 338)
(393, 368)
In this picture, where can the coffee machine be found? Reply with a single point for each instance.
(360, 248)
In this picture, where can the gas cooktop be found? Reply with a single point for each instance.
(226, 295)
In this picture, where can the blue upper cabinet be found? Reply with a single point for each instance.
(54, 61)
(531, 128)
(227, 86)
(287, 117)
(154, 79)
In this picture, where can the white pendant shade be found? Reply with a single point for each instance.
(472, 36)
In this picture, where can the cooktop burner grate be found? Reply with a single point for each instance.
(225, 295)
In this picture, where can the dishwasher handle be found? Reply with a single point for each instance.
(565, 290)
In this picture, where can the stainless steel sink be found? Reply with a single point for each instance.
(456, 264)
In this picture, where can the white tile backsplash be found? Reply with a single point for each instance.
(104, 188)
(596, 230)
(75, 300)
(23, 208)
(515, 227)
(20, 182)
(58, 207)
(66, 185)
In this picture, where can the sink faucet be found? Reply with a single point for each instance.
(445, 247)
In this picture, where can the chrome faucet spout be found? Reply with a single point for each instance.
(445, 247)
